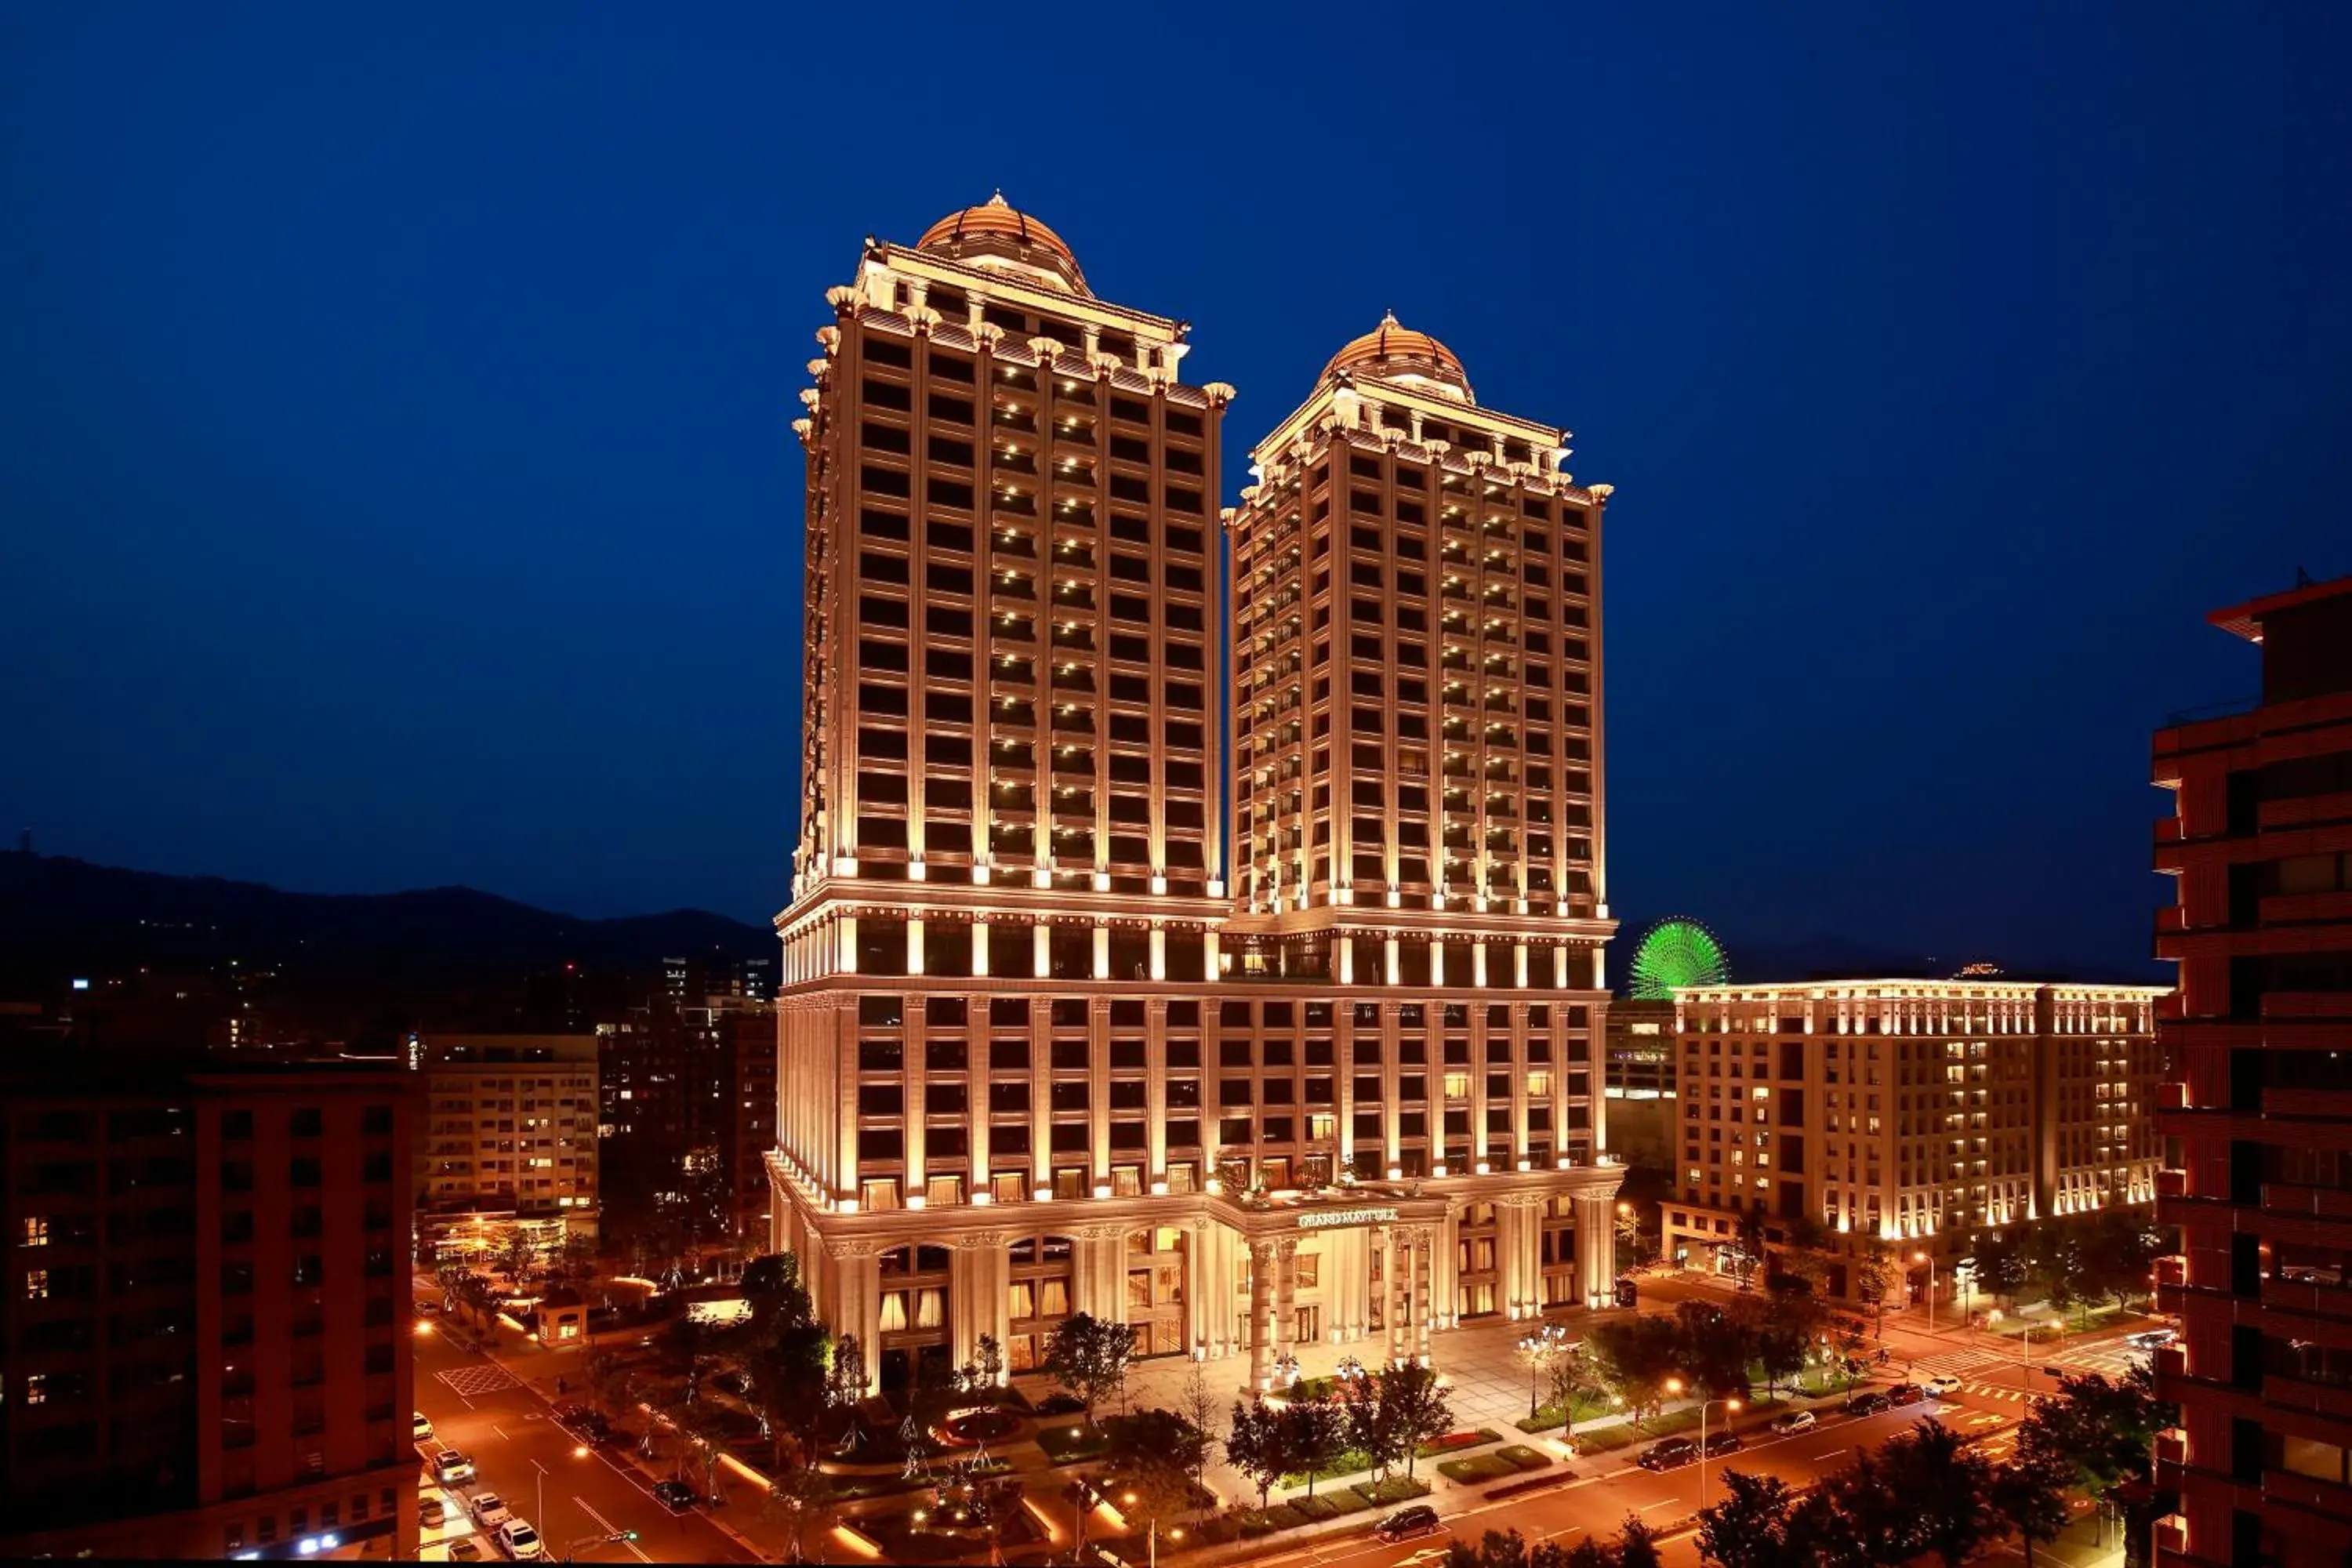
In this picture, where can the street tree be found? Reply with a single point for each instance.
(1750, 1528)
(1634, 1356)
(1317, 1434)
(1745, 1252)
(1197, 1405)
(1875, 1272)
(1943, 1489)
(802, 1503)
(1713, 1349)
(1416, 1408)
(1574, 1379)
(2000, 1263)
(517, 1256)
(2030, 1491)
(2103, 1429)
(1090, 1357)
(1256, 1445)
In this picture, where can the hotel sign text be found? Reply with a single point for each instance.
(1316, 1219)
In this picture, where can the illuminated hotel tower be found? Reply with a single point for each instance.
(1021, 1076)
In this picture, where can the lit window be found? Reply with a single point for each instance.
(36, 1284)
(37, 1230)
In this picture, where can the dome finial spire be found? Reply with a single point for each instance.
(1388, 319)
(997, 198)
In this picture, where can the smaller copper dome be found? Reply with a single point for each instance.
(1394, 352)
(997, 228)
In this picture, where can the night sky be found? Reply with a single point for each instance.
(396, 486)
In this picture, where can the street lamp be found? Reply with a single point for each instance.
(1730, 1408)
(541, 1520)
(1923, 1257)
(1540, 1347)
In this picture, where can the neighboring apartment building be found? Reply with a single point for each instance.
(1643, 1114)
(1355, 1096)
(673, 1079)
(204, 1342)
(1914, 1111)
(747, 1131)
(2259, 1111)
(509, 1131)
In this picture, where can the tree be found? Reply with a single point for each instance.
(575, 1256)
(1637, 1544)
(1714, 1348)
(1635, 1548)
(2030, 1491)
(2000, 1265)
(1414, 1408)
(1575, 1379)
(845, 1376)
(1874, 1273)
(684, 1345)
(1197, 1407)
(1745, 1252)
(2053, 1262)
(1255, 1444)
(1845, 1344)
(801, 1499)
(1634, 1357)
(2101, 1430)
(1090, 1356)
(1750, 1528)
(611, 1388)
(1944, 1489)
(517, 1254)
(1316, 1433)
(786, 1369)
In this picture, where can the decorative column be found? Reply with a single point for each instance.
(1421, 1278)
(1596, 1267)
(857, 1309)
(1261, 1315)
(1285, 1299)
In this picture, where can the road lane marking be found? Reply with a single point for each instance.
(609, 1528)
(1659, 1503)
(500, 1431)
(1833, 1453)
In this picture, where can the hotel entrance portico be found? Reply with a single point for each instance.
(1381, 1266)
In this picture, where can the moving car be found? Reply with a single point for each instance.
(421, 1427)
(490, 1510)
(1906, 1393)
(1795, 1421)
(451, 1467)
(674, 1496)
(465, 1550)
(431, 1510)
(2150, 1339)
(1670, 1454)
(1867, 1403)
(1942, 1383)
(522, 1541)
(1408, 1522)
(1722, 1442)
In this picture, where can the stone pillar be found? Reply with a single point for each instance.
(1596, 1240)
(1098, 1285)
(1041, 950)
(1102, 952)
(1285, 1297)
(914, 944)
(858, 1310)
(979, 945)
(1261, 1314)
(1422, 1280)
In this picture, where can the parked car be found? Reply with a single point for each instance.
(675, 1496)
(522, 1541)
(451, 1467)
(568, 1411)
(1059, 1405)
(1407, 1522)
(428, 1308)
(431, 1511)
(1906, 1393)
(593, 1426)
(1869, 1402)
(490, 1510)
(1795, 1421)
(2149, 1338)
(1942, 1383)
(465, 1550)
(1670, 1454)
(1722, 1442)
(1628, 1292)
(422, 1427)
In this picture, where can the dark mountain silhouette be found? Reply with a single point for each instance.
(61, 917)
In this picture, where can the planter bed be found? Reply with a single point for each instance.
(1454, 1442)
(1520, 1457)
(1064, 1448)
(1389, 1492)
(1478, 1469)
(1529, 1484)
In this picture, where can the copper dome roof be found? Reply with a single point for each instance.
(996, 228)
(1394, 352)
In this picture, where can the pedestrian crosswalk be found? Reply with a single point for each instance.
(1957, 1363)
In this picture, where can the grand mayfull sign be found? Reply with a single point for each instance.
(1316, 1219)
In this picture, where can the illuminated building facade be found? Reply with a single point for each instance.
(2258, 1110)
(1914, 1111)
(509, 1130)
(1037, 1056)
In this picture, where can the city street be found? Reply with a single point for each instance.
(573, 1499)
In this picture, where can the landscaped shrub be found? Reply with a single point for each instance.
(1389, 1492)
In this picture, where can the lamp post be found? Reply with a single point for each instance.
(541, 1520)
(1540, 1347)
(1731, 1407)
(1923, 1257)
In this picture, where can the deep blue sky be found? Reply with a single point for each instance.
(395, 484)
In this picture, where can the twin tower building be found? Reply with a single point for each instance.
(1215, 950)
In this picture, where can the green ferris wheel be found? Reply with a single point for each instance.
(1675, 952)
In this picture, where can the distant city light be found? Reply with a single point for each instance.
(81, 985)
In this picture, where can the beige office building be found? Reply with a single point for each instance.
(1916, 1111)
(1038, 1055)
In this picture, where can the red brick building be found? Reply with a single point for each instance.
(204, 1331)
(2260, 1108)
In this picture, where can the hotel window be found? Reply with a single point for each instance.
(36, 1284)
(1307, 1270)
(37, 1230)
